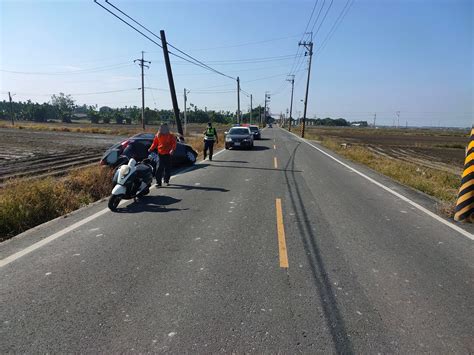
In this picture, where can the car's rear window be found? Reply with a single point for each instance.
(239, 131)
(254, 129)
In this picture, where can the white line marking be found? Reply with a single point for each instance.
(400, 196)
(74, 226)
(49, 239)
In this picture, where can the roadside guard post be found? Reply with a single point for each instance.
(465, 204)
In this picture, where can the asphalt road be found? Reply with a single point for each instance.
(197, 266)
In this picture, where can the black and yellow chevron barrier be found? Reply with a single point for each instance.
(465, 204)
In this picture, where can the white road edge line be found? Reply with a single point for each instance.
(78, 224)
(393, 192)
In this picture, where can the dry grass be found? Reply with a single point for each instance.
(118, 130)
(112, 129)
(25, 204)
(442, 185)
(197, 142)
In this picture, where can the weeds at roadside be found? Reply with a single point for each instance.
(26, 204)
(442, 185)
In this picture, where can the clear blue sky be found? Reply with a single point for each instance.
(411, 56)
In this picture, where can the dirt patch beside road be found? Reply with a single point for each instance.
(39, 153)
(436, 149)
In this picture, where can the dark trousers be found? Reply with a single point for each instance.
(208, 145)
(164, 168)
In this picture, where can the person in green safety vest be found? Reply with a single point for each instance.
(210, 137)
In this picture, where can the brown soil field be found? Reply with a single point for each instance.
(39, 150)
(439, 149)
(30, 153)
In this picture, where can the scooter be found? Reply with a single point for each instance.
(132, 180)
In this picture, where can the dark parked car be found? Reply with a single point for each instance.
(137, 147)
(239, 137)
(255, 131)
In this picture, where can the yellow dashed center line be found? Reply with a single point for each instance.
(274, 146)
(275, 162)
(281, 235)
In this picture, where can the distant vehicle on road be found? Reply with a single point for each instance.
(137, 147)
(255, 131)
(239, 137)
(270, 125)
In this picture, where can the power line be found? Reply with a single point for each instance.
(324, 18)
(152, 95)
(78, 94)
(80, 71)
(252, 60)
(196, 61)
(302, 37)
(144, 35)
(246, 44)
(121, 19)
(336, 24)
(319, 14)
(245, 92)
(310, 18)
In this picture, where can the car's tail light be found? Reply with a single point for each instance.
(125, 144)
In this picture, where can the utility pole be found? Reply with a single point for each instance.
(238, 100)
(309, 47)
(171, 82)
(398, 119)
(375, 117)
(186, 92)
(11, 108)
(260, 113)
(292, 81)
(250, 118)
(142, 65)
(267, 97)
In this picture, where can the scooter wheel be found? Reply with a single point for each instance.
(144, 193)
(114, 201)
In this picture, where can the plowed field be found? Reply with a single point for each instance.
(28, 153)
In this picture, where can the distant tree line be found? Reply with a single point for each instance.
(62, 108)
(338, 122)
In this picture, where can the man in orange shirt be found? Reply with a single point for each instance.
(165, 142)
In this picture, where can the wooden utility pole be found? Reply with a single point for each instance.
(267, 97)
(142, 65)
(309, 47)
(11, 108)
(292, 81)
(238, 100)
(171, 82)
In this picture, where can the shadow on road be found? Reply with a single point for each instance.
(188, 168)
(152, 204)
(194, 187)
(257, 148)
(334, 320)
(231, 161)
(251, 167)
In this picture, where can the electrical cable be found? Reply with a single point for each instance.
(245, 44)
(324, 18)
(198, 62)
(336, 24)
(80, 71)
